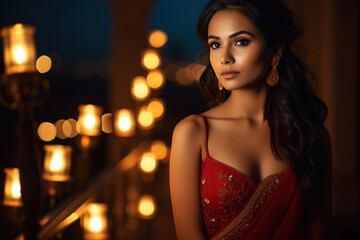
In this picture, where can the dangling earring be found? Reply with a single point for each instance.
(220, 85)
(273, 77)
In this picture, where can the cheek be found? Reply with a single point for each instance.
(254, 61)
(215, 64)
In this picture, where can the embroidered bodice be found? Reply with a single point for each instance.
(225, 192)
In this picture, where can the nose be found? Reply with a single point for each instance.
(227, 58)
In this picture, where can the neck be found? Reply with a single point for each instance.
(248, 103)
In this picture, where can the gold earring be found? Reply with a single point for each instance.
(273, 77)
(220, 85)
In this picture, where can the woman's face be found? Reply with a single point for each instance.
(238, 52)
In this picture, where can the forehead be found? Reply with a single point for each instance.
(228, 21)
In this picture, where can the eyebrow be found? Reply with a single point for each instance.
(232, 35)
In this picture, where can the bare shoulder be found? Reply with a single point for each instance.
(189, 127)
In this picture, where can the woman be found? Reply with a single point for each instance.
(257, 165)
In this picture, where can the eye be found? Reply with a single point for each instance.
(242, 42)
(214, 45)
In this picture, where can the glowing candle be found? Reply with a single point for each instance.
(19, 48)
(94, 222)
(57, 163)
(90, 119)
(147, 206)
(124, 123)
(12, 190)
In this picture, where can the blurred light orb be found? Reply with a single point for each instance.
(151, 59)
(95, 224)
(155, 79)
(43, 64)
(147, 206)
(47, 131)
(124, 123)
(106, 123)
(156, 107)
(74, 127)
(67, 128)
(59, 129)
(157, 38)
(159, 149)
(145, 118)
(89, 121)
(140, 89)
(148, 163)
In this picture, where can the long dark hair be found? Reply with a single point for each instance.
(295, 115)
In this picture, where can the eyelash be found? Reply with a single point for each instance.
(242, 42)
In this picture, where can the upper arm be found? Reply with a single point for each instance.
(185, 160)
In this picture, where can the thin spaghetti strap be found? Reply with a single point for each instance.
(206, 138)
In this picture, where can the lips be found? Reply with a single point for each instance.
(229, 74)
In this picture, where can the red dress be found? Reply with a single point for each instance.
(236, 207)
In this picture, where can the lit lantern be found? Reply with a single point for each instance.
(19, 48)
(139, 88)
(156, 107)
(146, 206)
(159, 149)
(157, 38)
(94, 222)
(12, 190)
(155, 79)
(124, 123)
(148, 163)
(151, 59)
(57, 163)
(145, 119)
(89, 119)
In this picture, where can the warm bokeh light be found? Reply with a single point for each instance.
(148, 163)
(147, 206)
(59, 129)
(89, 119)
(198, 69)
(182, 78)
(155, 79)
(66, 128)
(124, 123)
(157, 38)
(19, 48)
(12, 189)
(43, 64)
(85, 142)
(57, 163)
(106, 123)
(139, 89)
(47, 131)
(145, 118)
(151, 59)
(159, 149)
(94, 221)
(156, 107)
(70, 128)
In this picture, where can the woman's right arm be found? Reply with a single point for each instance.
(185, 160)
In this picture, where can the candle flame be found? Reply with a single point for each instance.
(89, 121)
(57, 162)
(95, 224)
(19, 54)
(16, 190)
(124, 123)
